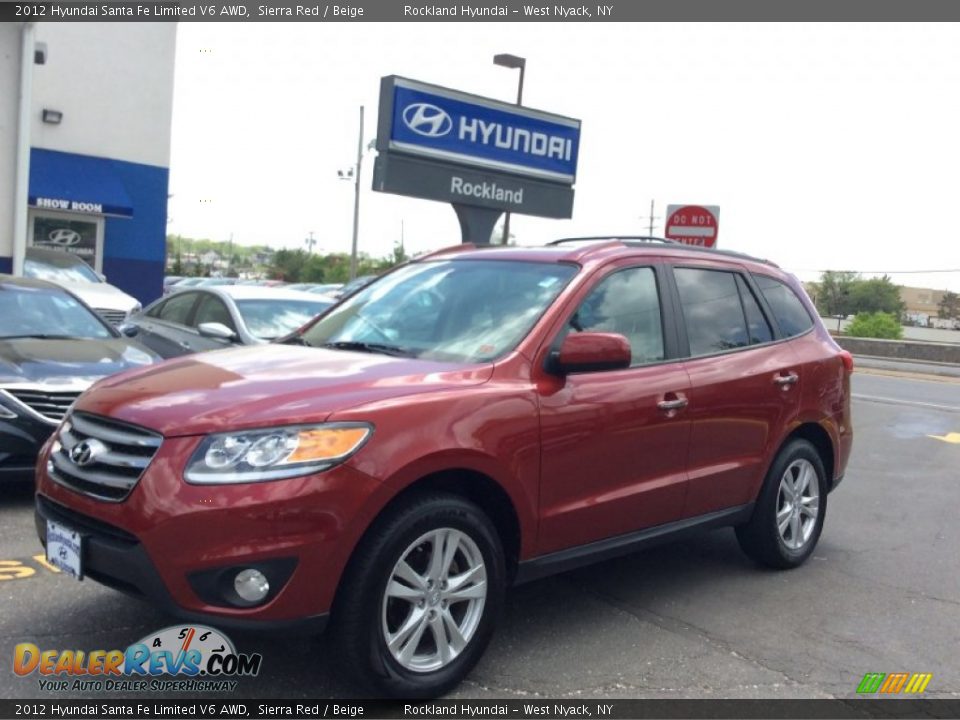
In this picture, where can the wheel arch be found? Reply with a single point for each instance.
(816, 435)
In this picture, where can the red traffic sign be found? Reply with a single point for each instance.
(693, 224)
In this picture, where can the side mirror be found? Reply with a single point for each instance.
(591, 351)
(103, 278)
(216, 330)
(129, 330)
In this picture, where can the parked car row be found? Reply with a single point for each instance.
(62, 328)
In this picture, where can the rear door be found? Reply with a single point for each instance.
(614, 442)
(744, 385)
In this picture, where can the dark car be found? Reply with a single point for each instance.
(221, 316)
(52, 347)
(474, 419)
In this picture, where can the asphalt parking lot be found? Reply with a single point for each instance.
(691, 620)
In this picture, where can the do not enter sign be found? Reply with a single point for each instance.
(693, 224)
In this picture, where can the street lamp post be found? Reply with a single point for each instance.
(513, 62)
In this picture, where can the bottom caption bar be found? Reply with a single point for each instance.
(468, 709)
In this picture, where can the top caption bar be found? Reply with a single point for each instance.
(505, 11)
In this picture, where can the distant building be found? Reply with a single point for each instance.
(921, 301)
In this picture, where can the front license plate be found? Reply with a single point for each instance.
(64, 549)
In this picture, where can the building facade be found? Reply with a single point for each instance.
(98, 100)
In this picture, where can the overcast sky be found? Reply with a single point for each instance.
(825, 146)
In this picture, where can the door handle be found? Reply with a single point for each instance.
(787, 380)
(185, 345)
(676, 404)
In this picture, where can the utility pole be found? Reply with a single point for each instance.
(651, 218)
(356, 202)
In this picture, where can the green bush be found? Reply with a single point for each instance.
(876, 325)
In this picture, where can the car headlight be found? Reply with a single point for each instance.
(274, 453)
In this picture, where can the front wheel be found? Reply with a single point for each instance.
(421, 599)
(790, 511)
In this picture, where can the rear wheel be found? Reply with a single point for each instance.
(421, 599)
(789, 514)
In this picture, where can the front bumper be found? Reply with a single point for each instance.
(118, 560)
(173, 543)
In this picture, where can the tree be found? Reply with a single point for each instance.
(878, 295)
(876, 325)
(949, 306)
(833, 293)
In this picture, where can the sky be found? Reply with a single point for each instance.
(826, 146)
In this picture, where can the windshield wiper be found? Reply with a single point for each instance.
(291, 340)
(41, 336)
(380, 348)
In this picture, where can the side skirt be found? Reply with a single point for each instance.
(571, 558)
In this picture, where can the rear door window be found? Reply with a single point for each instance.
(787, 308)
(712, 311)
(760, 331)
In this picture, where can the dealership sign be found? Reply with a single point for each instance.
(693, 224)
(451, 126)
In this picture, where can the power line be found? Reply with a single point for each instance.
(886, 272)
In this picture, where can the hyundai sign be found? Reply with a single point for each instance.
(454, 127)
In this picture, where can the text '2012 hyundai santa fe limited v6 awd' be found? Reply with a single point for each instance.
(476, 418)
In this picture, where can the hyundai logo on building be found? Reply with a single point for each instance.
(426, 119)
(63, 237)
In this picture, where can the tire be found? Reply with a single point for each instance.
(776, 535)
(380, 599)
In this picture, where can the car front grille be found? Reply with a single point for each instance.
(114, 317)
(100, 457)
(51, 405)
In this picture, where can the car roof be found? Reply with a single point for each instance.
(60, 258)
(583, 249)
(17, 281)
(257, 292)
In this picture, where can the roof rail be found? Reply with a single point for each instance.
(640, 240)
(625, 239)
(444, 251)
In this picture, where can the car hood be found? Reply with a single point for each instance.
(266, 385)
(101, 295)
(26, 361)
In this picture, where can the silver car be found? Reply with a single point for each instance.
(73, 273)
(217, 317)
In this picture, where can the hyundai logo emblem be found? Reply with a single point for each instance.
(87, 452)
(64, 237)
(426, 119)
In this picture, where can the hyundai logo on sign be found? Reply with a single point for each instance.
(463, 129)
(64, 237)
(426, 119)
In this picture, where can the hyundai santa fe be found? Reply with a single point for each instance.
(473, 419)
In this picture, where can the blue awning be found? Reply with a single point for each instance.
(76, 183)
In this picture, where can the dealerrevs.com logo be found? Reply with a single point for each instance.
(180, 658)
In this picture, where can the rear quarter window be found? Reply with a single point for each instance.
(788, 309)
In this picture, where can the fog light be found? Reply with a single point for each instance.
(252, 585)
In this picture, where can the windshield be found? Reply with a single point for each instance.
(80, 273)
(43, 312)
(269, 319)
(453, 310)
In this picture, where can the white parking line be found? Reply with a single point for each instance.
(898, 401)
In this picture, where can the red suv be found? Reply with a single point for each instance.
(473, 419)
